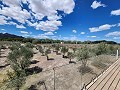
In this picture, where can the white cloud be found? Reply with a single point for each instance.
(113, 34)
(116, 38)
(93, 36)
(3, 32)
(38, 10)
(101, 28)
(20, 26)
(82, 33)
(48, 25)
(24, 32)
(30, 32)
(16, 13)
(3, 20)
(115, 12)
(72, 38)
(74, 31)
(41, 36)
(118, 24)
(2, 29)
(96, 4)
(49, 33)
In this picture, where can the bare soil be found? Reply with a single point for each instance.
(65, 76)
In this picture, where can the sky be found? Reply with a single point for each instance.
(80, 20)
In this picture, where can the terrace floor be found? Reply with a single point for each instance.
(109, 80)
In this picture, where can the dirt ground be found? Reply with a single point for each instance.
(65, 76)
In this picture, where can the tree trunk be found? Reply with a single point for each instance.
(17, 88)
(47, 57)
(56, 52)
(70, 60)
(63, 56)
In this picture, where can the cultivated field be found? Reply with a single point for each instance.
(53, 66)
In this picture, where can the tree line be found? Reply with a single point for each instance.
(51, 41)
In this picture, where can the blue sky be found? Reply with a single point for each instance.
(62, 19)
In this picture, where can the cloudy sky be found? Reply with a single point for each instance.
(62, 19)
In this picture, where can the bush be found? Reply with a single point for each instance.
(101, 49)
(29, 45)
(15, 46)
(64, 50)
(82, 55)
(19, 60)
(41, 50)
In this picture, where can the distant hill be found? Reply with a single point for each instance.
(7, 35)
(12, 37)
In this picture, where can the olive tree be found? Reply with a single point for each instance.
(57, 48)
(70, 56)
(47, 51)
(19, 60)
(29, 45)
(14, 46)
(64, 50)
(41, 50)
(74, 49)
(100, 49)
(82, 55)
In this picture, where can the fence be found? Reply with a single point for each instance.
(64, 78)
(93, 80)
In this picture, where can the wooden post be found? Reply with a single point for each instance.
(81, 78)
(117, 55)
(54, 77)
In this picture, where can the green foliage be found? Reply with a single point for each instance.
(57, 48)
(41, 49)
(29, 45)
(74, 49)
(36, 41)
(64, 50)
(104, 48)
(70, 55)
(19, 60)
(47, 51)
(101, 49)
(15, 46)
(82, 55)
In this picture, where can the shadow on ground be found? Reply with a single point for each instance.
(36, 86)
(85, 70)
(33, 70)
(34, 62)
(4, 66)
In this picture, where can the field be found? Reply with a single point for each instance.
(57, 72)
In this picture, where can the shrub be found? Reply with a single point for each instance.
(29, 45)
(15, 46)
(101, 49)
(57, 48)
(64, 50)
(47, 51)
(70, 55)
(82, 55)
(19, 61)
(41, 50)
